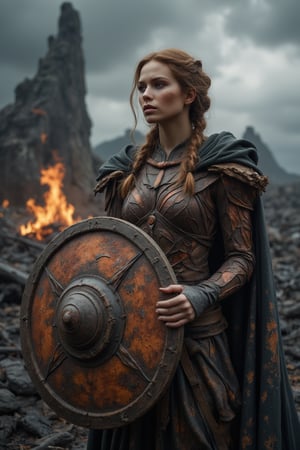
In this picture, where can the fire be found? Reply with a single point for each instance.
(43, 138)
(4, 205)
(56, 211)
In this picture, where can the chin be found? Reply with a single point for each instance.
(151, 121)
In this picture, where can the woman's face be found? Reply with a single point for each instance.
(160, 95)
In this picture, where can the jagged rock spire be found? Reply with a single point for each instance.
(69, 27)
(49, 115)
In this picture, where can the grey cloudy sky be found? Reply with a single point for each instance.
(250, 48)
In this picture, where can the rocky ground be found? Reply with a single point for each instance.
(25, 420)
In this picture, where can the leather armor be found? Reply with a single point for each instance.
(187, 228)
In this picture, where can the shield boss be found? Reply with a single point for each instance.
(91, 340)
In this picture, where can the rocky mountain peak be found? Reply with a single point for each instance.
(267, 162)
(49, 116)
(69, 26)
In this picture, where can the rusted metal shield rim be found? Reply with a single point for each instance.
(105, 272)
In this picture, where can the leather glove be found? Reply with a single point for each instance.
(202, 296)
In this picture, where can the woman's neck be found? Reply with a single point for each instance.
(171, 135)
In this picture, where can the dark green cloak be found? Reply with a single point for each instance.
(268, 418)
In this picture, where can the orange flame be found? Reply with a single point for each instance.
(43, 137)
(4, 205)
(39, 111)
(56, 211)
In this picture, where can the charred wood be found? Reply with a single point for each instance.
(11, 273)
(26, 419)
(23, 240)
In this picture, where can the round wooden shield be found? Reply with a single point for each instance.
(91, 340)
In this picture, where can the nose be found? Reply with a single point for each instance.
(147, 93)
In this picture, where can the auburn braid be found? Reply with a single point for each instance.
(140, 158)
(188, 164)
(197, 116)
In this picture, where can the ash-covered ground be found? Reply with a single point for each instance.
(26, 422)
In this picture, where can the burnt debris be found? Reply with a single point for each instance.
(25, 419)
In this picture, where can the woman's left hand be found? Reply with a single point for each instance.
(177, 310)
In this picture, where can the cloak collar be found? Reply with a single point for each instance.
(219, 148)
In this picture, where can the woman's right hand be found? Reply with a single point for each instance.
(177, 310)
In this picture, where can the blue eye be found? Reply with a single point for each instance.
(141, 87)
(160, 84)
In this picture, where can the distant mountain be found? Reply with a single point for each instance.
(106, 149)
(267, 162)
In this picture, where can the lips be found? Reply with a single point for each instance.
(148, 108)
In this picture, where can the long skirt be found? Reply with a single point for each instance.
(199, 409)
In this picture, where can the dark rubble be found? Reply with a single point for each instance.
(26, 422)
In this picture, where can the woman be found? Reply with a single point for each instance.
(198, 197)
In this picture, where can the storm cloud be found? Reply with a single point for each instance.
(250, 49)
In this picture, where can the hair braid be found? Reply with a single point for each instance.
(140, 158)
(188, 164)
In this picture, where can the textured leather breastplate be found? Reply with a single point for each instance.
(184, 226)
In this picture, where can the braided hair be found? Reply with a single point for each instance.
(189, 74)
